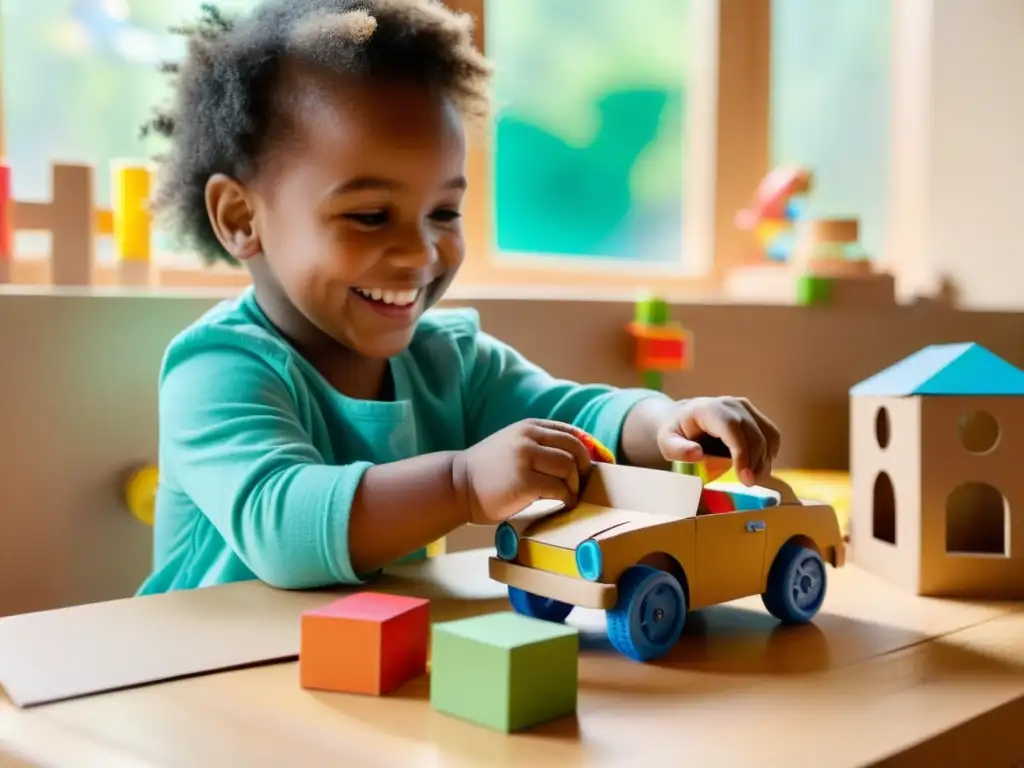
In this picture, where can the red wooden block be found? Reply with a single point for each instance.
(366, 643)
(663, 353)
(662, 347)
(6, 214)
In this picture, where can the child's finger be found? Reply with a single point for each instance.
(772, 436)
(675, 447)
(557, 463)
(728, 428)
(757, 447)
(564, 437)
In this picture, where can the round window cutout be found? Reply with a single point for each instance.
(882, 428)
(978, 431)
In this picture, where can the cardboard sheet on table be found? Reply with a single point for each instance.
(70, 652)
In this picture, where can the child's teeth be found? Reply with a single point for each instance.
(399, 298)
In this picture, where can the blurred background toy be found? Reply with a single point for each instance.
(779, 201)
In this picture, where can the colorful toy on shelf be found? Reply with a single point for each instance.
(6, 224)
(504, 671)
(776, 207)
(630, 547)
(937, 501)
(368, 643)
(131, 220)
(834, 268)
(74, 223)
(661, 344)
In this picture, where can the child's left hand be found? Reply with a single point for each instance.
(752, 439)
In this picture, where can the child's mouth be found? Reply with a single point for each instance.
(390, 302)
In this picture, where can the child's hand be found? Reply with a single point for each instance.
(529, 460)
(752, 439)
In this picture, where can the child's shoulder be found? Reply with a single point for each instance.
(232, 324)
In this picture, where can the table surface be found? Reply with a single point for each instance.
(880, 677)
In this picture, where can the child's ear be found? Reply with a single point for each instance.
(231, 214)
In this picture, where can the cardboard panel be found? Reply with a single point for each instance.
(639, 489)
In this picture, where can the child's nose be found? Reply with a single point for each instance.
(417, 249)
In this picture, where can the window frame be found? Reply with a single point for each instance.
(728, 104)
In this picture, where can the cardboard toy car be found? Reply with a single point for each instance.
(648, 545)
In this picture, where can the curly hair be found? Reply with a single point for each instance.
(225, 109)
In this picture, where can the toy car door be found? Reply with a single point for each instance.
(730, 550)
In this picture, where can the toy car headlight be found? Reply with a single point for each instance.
(589, 560)
(506, 541)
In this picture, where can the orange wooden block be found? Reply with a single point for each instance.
(365, 643)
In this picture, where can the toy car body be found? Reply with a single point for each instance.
(648, 545)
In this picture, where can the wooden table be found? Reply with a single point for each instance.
(880, 678)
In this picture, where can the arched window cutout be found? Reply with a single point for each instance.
(883, 509)
(977, 521)
(883, 428)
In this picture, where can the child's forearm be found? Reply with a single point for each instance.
(638, 444)
(401, 507)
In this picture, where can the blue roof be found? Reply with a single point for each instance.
(946, 369)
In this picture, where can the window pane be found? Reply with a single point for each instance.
(79, 80)
(590, 140)
(830, 104)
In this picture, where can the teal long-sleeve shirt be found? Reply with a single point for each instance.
(260, 457)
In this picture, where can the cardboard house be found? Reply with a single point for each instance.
(936, 447)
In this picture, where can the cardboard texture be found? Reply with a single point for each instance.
(465, 538)
(61, 654)
(505, 672)
(365, 643)
(938, 495)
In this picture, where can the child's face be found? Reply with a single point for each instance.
(357, 218)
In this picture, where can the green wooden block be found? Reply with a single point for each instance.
(652, 380)
(651, 311)
(504, 671)
(812, 291)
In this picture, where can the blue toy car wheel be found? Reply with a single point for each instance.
(796, 584)
(537, 607)
(648, 618)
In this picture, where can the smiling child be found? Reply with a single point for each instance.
(328, 421)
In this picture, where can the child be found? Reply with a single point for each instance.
(324, 424)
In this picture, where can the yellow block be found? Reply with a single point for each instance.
(130, 213)
(545, 557)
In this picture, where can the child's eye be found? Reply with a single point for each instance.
(445, 215)
(369, 218)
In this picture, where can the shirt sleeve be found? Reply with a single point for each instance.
(231, 439)
(503, 387)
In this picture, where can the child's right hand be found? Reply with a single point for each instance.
(529, 460)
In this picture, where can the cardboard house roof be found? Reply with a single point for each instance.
(946, 369)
